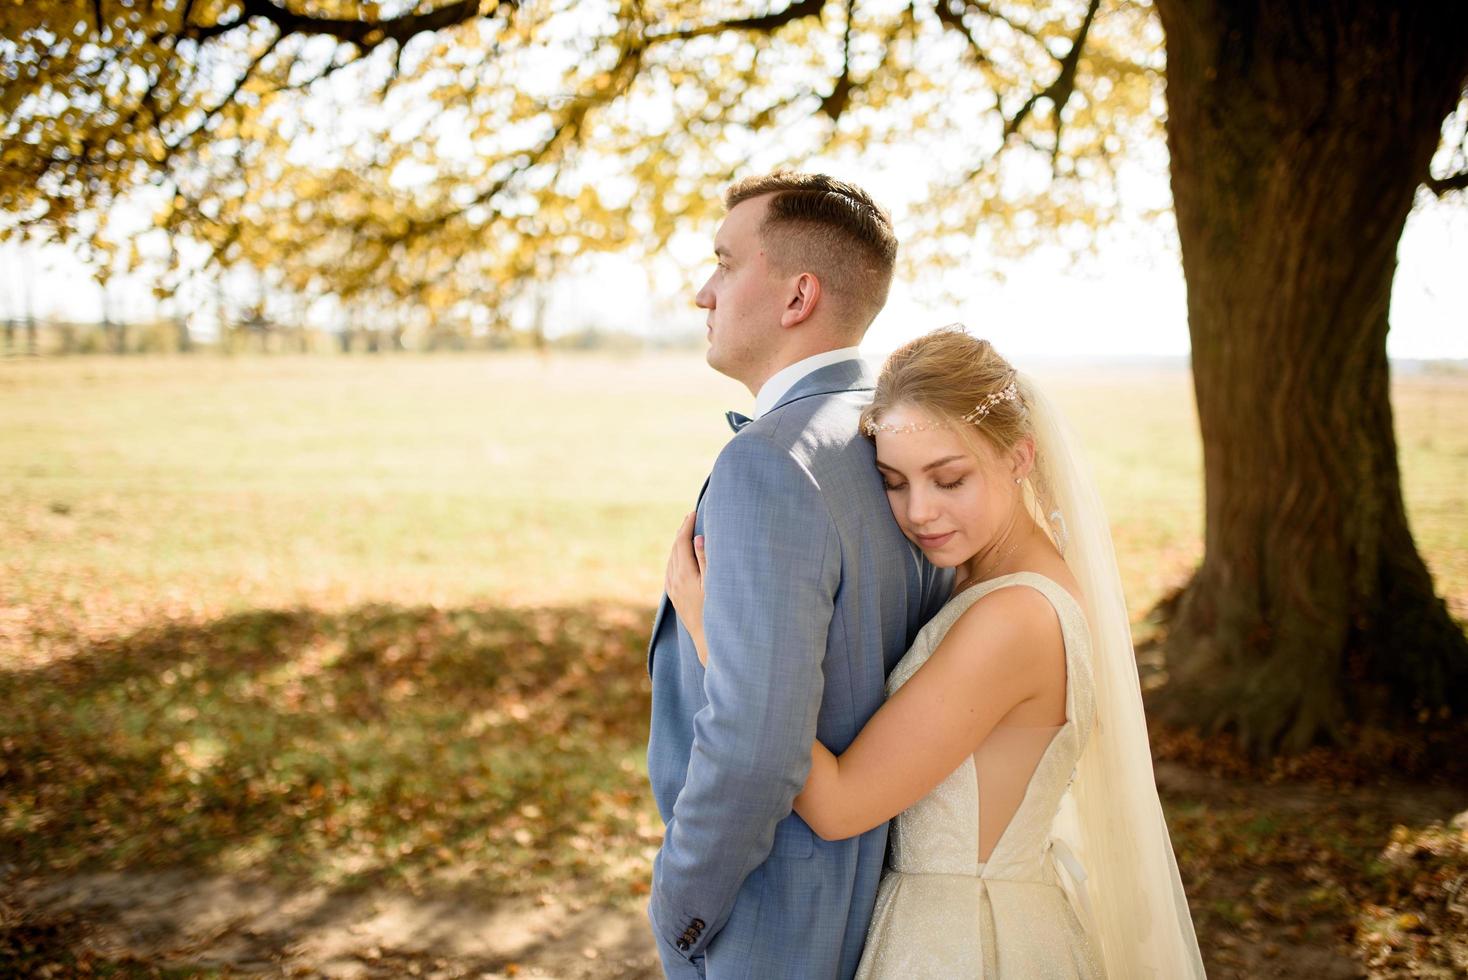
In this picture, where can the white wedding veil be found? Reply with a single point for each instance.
(1111, 818)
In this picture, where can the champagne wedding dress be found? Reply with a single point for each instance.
(973, 886)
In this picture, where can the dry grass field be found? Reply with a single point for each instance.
(139, 487)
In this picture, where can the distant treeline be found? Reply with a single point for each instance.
(21, 337)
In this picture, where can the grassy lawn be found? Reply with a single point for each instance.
(381, 622)
(202, 486)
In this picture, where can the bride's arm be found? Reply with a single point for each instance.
(985, 666)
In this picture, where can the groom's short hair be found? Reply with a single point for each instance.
(818, 224)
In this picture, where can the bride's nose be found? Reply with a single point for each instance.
(921, 507)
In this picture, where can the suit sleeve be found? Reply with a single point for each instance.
(774, 566)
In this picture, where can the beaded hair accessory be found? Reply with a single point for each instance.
(1008, 393)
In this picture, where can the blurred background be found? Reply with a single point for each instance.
(354, 390)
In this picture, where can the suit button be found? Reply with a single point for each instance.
(697, 924)
(683, 945)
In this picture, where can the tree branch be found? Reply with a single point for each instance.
(392, 76)
(624, 73)
(332, 67)
(228, 100)
(1442, 186)
(164, 34)
(953, 20)
(764, 23)
(1059, 91)
(364, 34)
(987, 9)
(835, 103)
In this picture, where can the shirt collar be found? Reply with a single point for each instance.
(784, 379)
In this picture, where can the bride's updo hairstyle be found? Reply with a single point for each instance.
(949, 374)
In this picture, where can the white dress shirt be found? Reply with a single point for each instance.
(784, 379)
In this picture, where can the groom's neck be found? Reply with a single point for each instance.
(790, 358)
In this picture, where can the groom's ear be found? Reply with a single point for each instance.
(804, 293)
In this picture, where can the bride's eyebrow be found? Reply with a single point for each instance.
(939, 462)
(931, 466)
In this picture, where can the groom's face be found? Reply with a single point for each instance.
(742, 298)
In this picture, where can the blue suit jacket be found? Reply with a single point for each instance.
(811, 597)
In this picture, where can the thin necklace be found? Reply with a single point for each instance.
(976, 578)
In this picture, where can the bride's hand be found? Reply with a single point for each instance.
(684, 582)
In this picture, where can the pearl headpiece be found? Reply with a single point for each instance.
(1008, 393)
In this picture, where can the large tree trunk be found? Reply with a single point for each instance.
(1299, 133)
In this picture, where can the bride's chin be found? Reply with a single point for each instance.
(940, 560)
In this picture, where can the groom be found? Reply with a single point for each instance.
(812, 594)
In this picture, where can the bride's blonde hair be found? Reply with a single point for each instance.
(948, 373)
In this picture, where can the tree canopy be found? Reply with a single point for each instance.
(441, 153)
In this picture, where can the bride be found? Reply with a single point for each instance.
(1011, 752)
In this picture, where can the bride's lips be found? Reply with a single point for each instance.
(933, 540)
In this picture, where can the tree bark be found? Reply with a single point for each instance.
(1299, 133)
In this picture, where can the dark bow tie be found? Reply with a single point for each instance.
(737, 421)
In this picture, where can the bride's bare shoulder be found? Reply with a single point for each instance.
(1011, 639)
(1007, 623)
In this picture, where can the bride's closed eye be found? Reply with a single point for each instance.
(891, 487)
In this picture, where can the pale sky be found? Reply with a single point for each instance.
(1122, 305)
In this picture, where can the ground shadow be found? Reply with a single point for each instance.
(478, 753)
(483, 744)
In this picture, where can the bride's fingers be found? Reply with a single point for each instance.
(698, 553)
(683, 550)
(685, 536)
(674, 555)
(680, 538)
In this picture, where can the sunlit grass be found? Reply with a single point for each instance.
(134, 486)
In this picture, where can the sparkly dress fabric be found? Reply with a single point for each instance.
(975, 886)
